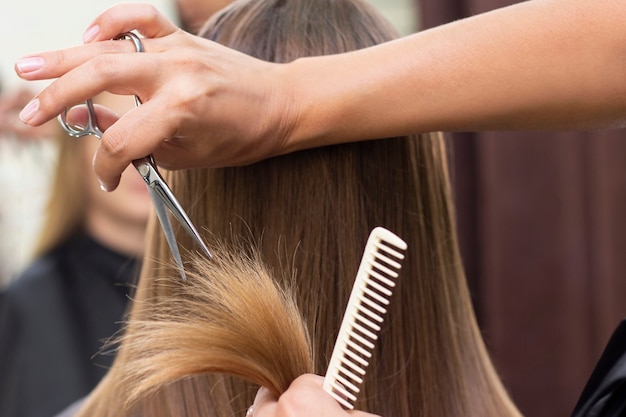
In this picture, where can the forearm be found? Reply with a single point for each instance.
(536, 65)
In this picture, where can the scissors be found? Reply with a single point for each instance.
(159, 191)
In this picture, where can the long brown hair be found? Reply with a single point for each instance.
(309, 215)
(66, 206)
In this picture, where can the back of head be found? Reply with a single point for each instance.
(284, 30)
(310, 213)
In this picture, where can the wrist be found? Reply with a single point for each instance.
(332, 103)
(309, 108)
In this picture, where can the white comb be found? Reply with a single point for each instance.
(370, 295)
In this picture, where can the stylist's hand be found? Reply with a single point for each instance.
(304, 398)
(204, 105)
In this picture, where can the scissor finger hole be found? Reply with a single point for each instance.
(72, 129)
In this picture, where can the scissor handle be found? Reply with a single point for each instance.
(92, 124)
(79, 131)
(160, 193)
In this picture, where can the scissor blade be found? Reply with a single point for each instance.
(166, 225)
(178, 212)
(157, 184)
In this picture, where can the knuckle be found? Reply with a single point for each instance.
(102, 67)
(151, 13)
(51, 94)
(114, 144)
(58, 59)
(289, 403)
(188, 92)
(112, 47)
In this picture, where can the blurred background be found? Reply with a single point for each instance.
(540, 214)
(27, 161)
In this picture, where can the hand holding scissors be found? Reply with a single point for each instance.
(159, 191)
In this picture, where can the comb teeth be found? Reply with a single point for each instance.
(373, 287)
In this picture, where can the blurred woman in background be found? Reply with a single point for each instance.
(58, 312)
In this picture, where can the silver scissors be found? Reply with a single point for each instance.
(159, 191)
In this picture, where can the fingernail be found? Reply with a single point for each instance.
(93, 164)
(91, 33)
(29, 64)
(29, 110)
(102, 186)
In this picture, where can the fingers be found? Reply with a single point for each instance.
(304, 398)
(103, 73)
(115, 20)
(126, 17)
(88, 70)
(53, 64)
(105, 118)
(140, 132)
(264, 404)
(79, 116)
(123, 141)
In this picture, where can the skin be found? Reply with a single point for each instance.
(526, 66)
(305, 390)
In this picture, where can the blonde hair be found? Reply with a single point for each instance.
(230, 301)
(308, 214)
(66, 206)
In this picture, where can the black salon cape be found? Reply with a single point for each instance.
(53, 319)
(605, 392)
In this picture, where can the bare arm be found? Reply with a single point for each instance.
(541, 64)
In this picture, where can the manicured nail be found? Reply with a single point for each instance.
(29, 64)
(93, 163)
(102, 186)
(91, 33)
(29, 110)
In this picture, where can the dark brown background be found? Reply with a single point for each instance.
(543, 236)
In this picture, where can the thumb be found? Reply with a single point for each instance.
(135, 135)
(264, 404)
